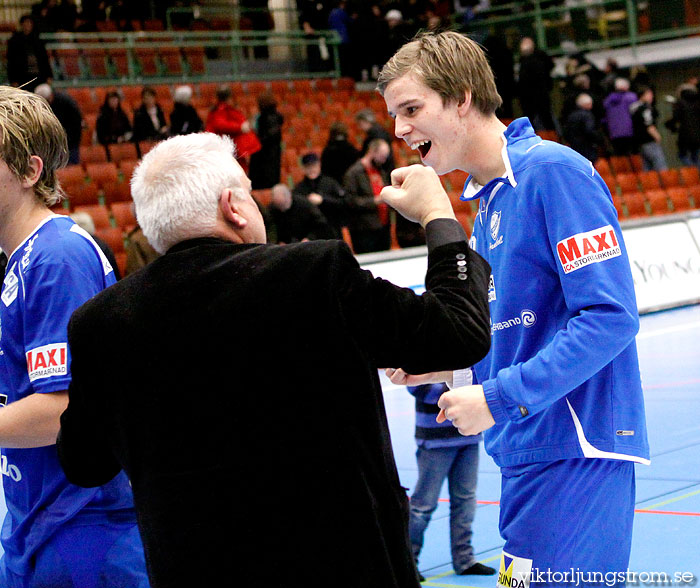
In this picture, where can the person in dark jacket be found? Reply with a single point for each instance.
(323, 192)
(149, 120)
(367, 121)
(368, 217)
(265, 165)
(535, 85)
(27, 60)
(214, 296)
(113, 125)
(581, 131)
(68, 113)
(338, 154)
(184, 118)
(686, 122)
(296, 219)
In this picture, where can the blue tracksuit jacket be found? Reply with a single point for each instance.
(562, 376)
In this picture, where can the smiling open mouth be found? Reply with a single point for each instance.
(423, 147)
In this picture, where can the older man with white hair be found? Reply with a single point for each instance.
(243, 398)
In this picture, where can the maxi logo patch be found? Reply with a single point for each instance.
(514, 572)
(47, 361)
(584, 249)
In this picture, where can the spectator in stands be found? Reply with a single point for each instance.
(113, 125)
(265, 165)
(580, 129)
(323, 192)
(686, 122)
(500, 57)
(27, 61)
(338, 154)
(618, 119)
(367, 121)
(184, 118)
(258, 18)
(371, 29)
(313, 17)
(149, 120)
(581, 84)
(226, 119)
(398, 33)
(341, 22)
(368, 218)
(646, 133)
(68, 114)
(611, 73)
(139, 252)
(296, 219)
(535, 85)
(85, 222)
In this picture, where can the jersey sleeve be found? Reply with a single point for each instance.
(52, 291)
(600, 316)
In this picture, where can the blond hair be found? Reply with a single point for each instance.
(448, 63)
(29, 127)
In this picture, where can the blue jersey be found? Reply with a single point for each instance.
(562, 377)
(56, 269)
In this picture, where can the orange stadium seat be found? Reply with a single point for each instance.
(679, 197)
(649, 180)
(71, 174)
(102, 173)
(82, 194)
(690, 175)
(119, 151)
(113, 236)
(670, 178)
(658, 201)
(621, 164)
(123, 213)
(93, 154)
(635, 204)
(627, 182)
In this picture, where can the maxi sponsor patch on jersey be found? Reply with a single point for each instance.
(584, 249)
(47, 361)
(514, 572)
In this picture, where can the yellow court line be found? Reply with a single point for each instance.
(671, 500)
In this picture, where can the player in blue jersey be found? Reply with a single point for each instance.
(559, 395)
(55, 534)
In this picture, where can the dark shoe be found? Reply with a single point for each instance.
(421, 578)
(477, 569)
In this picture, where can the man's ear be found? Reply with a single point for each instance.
(463, 108)
(230, 209)
(36, 166)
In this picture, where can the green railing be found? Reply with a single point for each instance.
(227, 56)
(594, 25)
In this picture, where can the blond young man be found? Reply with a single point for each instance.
(55, 534)
(559, 394)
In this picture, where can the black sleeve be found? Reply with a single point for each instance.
(83, 450)
(445, 328)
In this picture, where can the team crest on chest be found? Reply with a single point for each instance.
(495, 226)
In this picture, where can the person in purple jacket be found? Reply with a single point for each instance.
(618, 118)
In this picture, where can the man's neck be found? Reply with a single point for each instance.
(20, 222)
(485, 161)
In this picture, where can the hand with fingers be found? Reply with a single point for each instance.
(417, 194)
(401, 378)
(467, 408)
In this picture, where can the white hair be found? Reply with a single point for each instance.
(177, 185)
(583, 100)
(182, 94)
(45, 91)
(622, 84)
(84, 221)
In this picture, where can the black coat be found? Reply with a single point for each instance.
(265, 165)
(260, 462)
(68, 114)
(185, 120)
(334, 206)
(19, 49)
(338, 155)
